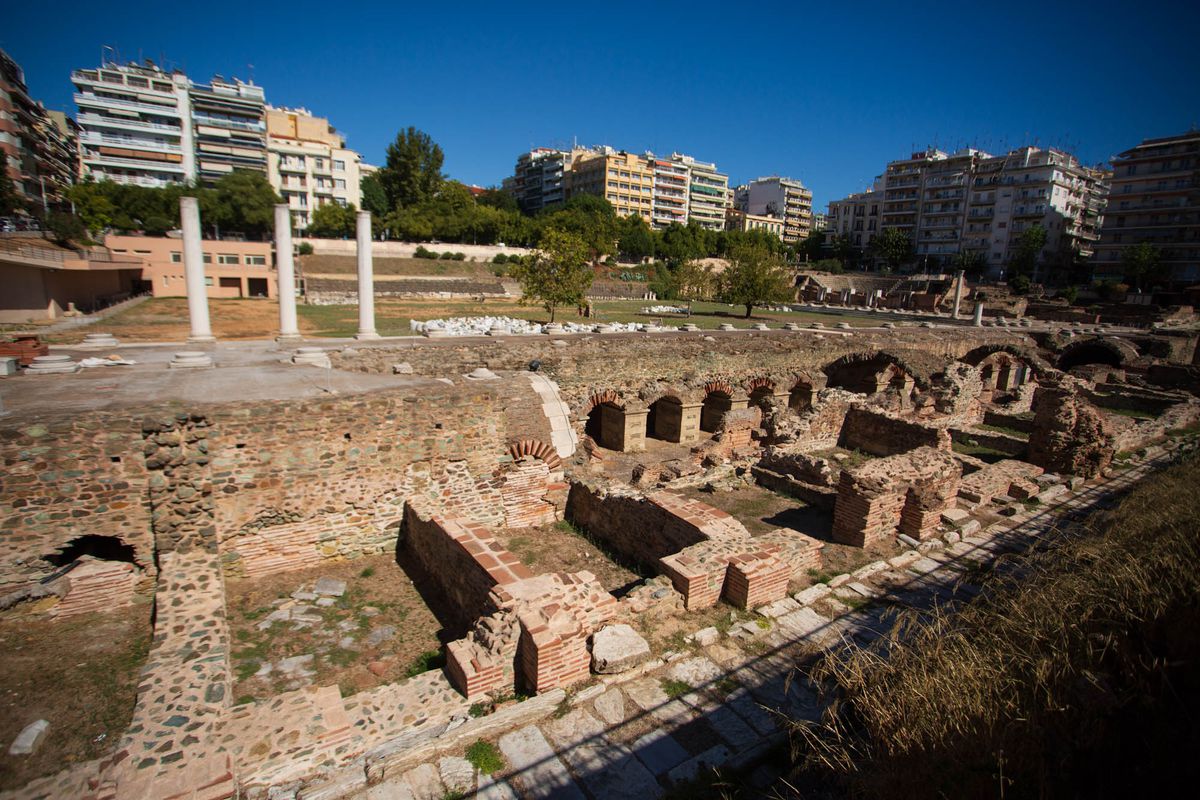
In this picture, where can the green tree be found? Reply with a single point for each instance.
(9, 200)
(240, 201)
(591, 218)
(694, 281)
(66, 228)
(333, 221)
(558, 274)
(1142, 264)
(412, 172)
(971, 262)
(754, 276)
(93, 205)
(813, 247)
(831, 265)
(1025, 255)
(374, 198)
(891, 246)
(499, 199)
(636, 240)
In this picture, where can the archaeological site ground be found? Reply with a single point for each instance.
(571, 565)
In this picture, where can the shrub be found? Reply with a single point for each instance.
(500, 259)
(460, 256)
(447, 256)
(485, 757)
(430, 659)
(305, 249)
(422, 252)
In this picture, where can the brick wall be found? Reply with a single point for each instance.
(899, 494)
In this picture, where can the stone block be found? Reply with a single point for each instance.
(618, 648)
(706, 636)
(812, 594)
(29, 738)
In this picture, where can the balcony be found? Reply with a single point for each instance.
(94, 138)
(95, 120)
(81, 79)
(135, 163)
(286, 166)
(112, 102)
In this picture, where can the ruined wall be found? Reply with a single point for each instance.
(883, 434)
(1070, 435)
(646, 527)
(66, 478)
(901, 494)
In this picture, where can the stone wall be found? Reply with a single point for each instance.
(883, 434)
(1070, 435)
(66, 478)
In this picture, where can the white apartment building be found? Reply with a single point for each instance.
(708, 192)
(309, 164)
(782, 198)
(857, 217)
(671, 189)
(134, 125)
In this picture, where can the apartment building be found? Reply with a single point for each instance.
(1033, 186)
(229, 128)
(40, 145)
(1155, 198)
(973, 201)
(736, 220)
(135, 124)
(783, 198)
(624, 179)
(231, 268)
(539, 178)
(857, 218)
(309, 164)
(663, 191)
(708, 192)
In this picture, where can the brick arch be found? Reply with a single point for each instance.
(601, 397)
(881, 359)
(1097, 350)
(536, 449)
(1036, 365)
(803, 378)
(759, 382)
(719, 385)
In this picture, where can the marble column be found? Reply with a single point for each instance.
(193, 270)
(958, 290)
(366, 280)
(978, 314)
(285, 271)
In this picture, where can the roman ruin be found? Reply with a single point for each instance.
(882, 455)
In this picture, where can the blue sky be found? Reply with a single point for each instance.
(824, 92)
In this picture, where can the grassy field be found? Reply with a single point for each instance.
(164, 319)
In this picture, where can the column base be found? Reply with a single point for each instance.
(368, 335)
(201, 339)
(289, 337)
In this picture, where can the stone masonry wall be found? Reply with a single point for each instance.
(66, 478)
(882, 434)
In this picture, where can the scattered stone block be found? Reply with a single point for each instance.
(695, 672)
(969, 527)
(403, 368)
(330, 587)
(29, 738)
(779, 608)
(706, 636)
(610, 706)
(839, 580)
(618, 648)
(812, 594)
(457, 774)
(955, 516)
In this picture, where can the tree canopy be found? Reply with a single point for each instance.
(374, 198)
(891, 246)
(1143, 265)
(1028, 250)
(9, 201)
(755, 277)
(412, 172)
(558, 274)
(333, 221)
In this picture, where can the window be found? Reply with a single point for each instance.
(228, 258)
(339, 183)
(340, 166)
(208, 258)
(208, 281)
(176, 257)
(258, 261)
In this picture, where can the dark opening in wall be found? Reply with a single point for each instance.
(346, 436)
(115, 459)
(108, 548)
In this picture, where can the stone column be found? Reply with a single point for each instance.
(958, 293)
(285, 271)
(193, 270)
(978, 315)
(366, 280)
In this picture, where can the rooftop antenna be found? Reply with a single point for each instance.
(250, 67)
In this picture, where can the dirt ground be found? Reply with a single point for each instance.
(559, 548)
(378, 632)
(80, 675)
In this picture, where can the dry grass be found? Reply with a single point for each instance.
(1078, 679)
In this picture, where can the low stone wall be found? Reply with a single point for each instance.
(337, 292)
(1002, 478)
(1001, 442)
(882, 434)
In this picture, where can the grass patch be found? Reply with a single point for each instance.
(1018, 434)
(820, 575)
(1133, 413)
(675, 688)
(430, 659)
(984, 453)
(485, 757)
